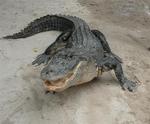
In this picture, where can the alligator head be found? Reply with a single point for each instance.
(63, 72)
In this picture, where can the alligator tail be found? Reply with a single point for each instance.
(46, 23)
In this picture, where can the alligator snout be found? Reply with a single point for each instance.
(83, 72)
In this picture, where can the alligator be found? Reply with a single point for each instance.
(77, 56)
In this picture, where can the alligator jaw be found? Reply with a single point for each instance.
(57, 85)
(82, 73)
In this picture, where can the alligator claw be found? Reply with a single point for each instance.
(42, 58)
(129, 85)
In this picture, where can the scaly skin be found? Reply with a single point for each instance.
(77, 51)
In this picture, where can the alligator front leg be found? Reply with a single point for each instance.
(105, 44)
(110, 63)
(60, 43)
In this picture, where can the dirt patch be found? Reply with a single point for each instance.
(126, 13)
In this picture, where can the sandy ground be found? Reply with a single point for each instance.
(126, 24)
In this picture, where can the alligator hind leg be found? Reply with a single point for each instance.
(104, 43)
(60, 43)
(102, 39)
(109, 63)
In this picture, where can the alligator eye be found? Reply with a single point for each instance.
(47, 72)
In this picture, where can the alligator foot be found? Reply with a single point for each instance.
(129, 85)
(42, 58)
